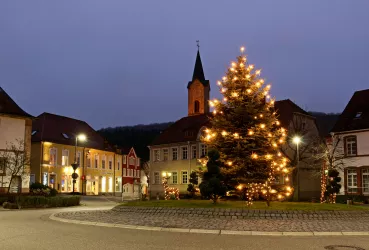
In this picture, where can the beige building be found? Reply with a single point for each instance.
(179, 147)
(15, 127)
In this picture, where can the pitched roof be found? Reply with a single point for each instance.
(63, 130)
(9, 107)
(356, 114)
(285, 110)
(185, 129)
(198, 72)
(180, 131)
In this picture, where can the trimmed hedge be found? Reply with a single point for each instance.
(43, 202)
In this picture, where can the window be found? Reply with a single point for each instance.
(350, 146)
(131, 161)
(124, 159)
(118, 184)
(53, 156)
(204, 150)
(188, 133)
(110, 163)
(165, 154)
(138, 173)
(365, 180)
(184, 177)
(65, 157)
(79, 158)
(156, 155)
(197, 106)
(194, 152)
(174, 154)
(358, 115)
(351, 181)
(138, 162)
(124, 172)
(184, 153)
(103, 162)
(174, 178)
(96, 161)
(88, 161)
(118, 165)
(2, 166)
(131, 172)
(156, 178)
(134, 173)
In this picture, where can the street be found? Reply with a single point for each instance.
(32, 229)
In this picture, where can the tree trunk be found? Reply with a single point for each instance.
(215, 198)
(10, 183)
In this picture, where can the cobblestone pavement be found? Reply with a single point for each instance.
(299, 222)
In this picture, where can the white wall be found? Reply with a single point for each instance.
(362, 158)
(11, 129)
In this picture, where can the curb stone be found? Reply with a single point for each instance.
(206, 231)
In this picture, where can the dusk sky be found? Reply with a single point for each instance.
(115, 63)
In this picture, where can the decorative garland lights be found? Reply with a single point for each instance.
(169, 191)
(239, 87)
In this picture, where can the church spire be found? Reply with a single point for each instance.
(198, 72)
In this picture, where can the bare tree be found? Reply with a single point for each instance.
(331, 153)
(303, 127)
(14, 162)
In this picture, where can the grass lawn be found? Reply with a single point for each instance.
(241, 204)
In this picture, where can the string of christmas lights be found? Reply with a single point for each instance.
(169, 191)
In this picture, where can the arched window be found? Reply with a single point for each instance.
(197, 107)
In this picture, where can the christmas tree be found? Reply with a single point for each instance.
(246, 132)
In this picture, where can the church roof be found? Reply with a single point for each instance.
(198, 72)
(187, 128)
(356, 114)
(9, 107)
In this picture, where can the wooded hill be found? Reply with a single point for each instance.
(140, 136)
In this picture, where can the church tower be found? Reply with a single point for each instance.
(198, 90)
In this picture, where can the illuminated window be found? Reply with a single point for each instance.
(65, 157)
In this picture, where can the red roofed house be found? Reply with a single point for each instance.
(132, 175)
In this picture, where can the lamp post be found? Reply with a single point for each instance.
(297, 141)
(80, 137)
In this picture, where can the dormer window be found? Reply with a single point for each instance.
(65, 136)
(188, 133)
(358, 115)
(34, 132)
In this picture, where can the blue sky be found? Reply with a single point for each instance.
(114, 63)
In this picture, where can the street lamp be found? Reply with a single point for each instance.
(297, 140)
(80, 137)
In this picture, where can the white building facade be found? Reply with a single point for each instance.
(15, 129)
(351, 135)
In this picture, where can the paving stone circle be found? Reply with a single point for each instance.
(229, 219)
